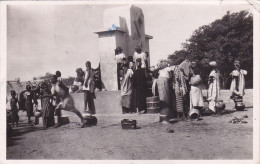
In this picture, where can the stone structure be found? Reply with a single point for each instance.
(124, 27)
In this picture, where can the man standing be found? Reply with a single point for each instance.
(139, 83)
(88, 89)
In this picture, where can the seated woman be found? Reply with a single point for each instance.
(196, 97)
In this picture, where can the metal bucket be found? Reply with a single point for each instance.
(128, 124)
(240, 106)
(194, 113)
(220, 105)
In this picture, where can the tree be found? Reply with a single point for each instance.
(223, 41)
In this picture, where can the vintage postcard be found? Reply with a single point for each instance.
(130, 81)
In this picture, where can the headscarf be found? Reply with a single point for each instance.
(213, 63)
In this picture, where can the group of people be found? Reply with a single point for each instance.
(54, 98)
(179, 89)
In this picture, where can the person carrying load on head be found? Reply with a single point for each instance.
(214, 87)
(237, 87)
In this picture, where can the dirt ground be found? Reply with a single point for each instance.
(209, 138)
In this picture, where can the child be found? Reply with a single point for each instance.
(14, 109)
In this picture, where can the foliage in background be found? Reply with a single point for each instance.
(223, 41)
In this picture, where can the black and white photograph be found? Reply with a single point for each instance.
(130, 81)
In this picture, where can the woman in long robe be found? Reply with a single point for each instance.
(196, 97)
(237, 87)
(47, 108)
(214, 86)
(127, 101)
(180, 90)
(163, 83)
(140, 86)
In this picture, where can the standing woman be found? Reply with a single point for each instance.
(47, 108)
(214, 87)
(237, 87)
(196, 97)
(140, 86)
(127, 89)
(30, 99)
(88, 89)
(163, 84)
(180, 90)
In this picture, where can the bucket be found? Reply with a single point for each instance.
(152, 104)
(194, 113)
(220, 105)
(128, 124)
(91, 120)
(240, 106)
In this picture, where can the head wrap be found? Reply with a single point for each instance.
(213, 63)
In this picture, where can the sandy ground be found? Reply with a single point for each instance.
(209, 138)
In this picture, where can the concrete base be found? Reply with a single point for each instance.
(106, 102)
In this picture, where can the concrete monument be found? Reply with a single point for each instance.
(124, 27)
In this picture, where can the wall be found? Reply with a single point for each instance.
(106, 102)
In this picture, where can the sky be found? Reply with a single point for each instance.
(47, 38)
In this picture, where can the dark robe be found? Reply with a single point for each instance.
(29, 98)
(140, 86)
(47, 111)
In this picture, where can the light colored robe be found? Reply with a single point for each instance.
(241, 82)
(214, 90)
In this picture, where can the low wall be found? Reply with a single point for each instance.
(106, 102)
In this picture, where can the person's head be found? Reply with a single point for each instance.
(58, 73)
(138, 49)
(28, 87)
(13, 93)
(88, 65)
(213, 64)
(54, 79)
(196, 71)
(116, 51)
(43, 87)
(79, 72)
(131, 65)
(147, 54)
(237, 64)
(193, 64)
(138, 62)
(119, 50)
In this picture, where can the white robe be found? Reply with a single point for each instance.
(214, 90)
(241, 82)
(196, 97)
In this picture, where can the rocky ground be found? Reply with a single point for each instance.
(208, 138)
